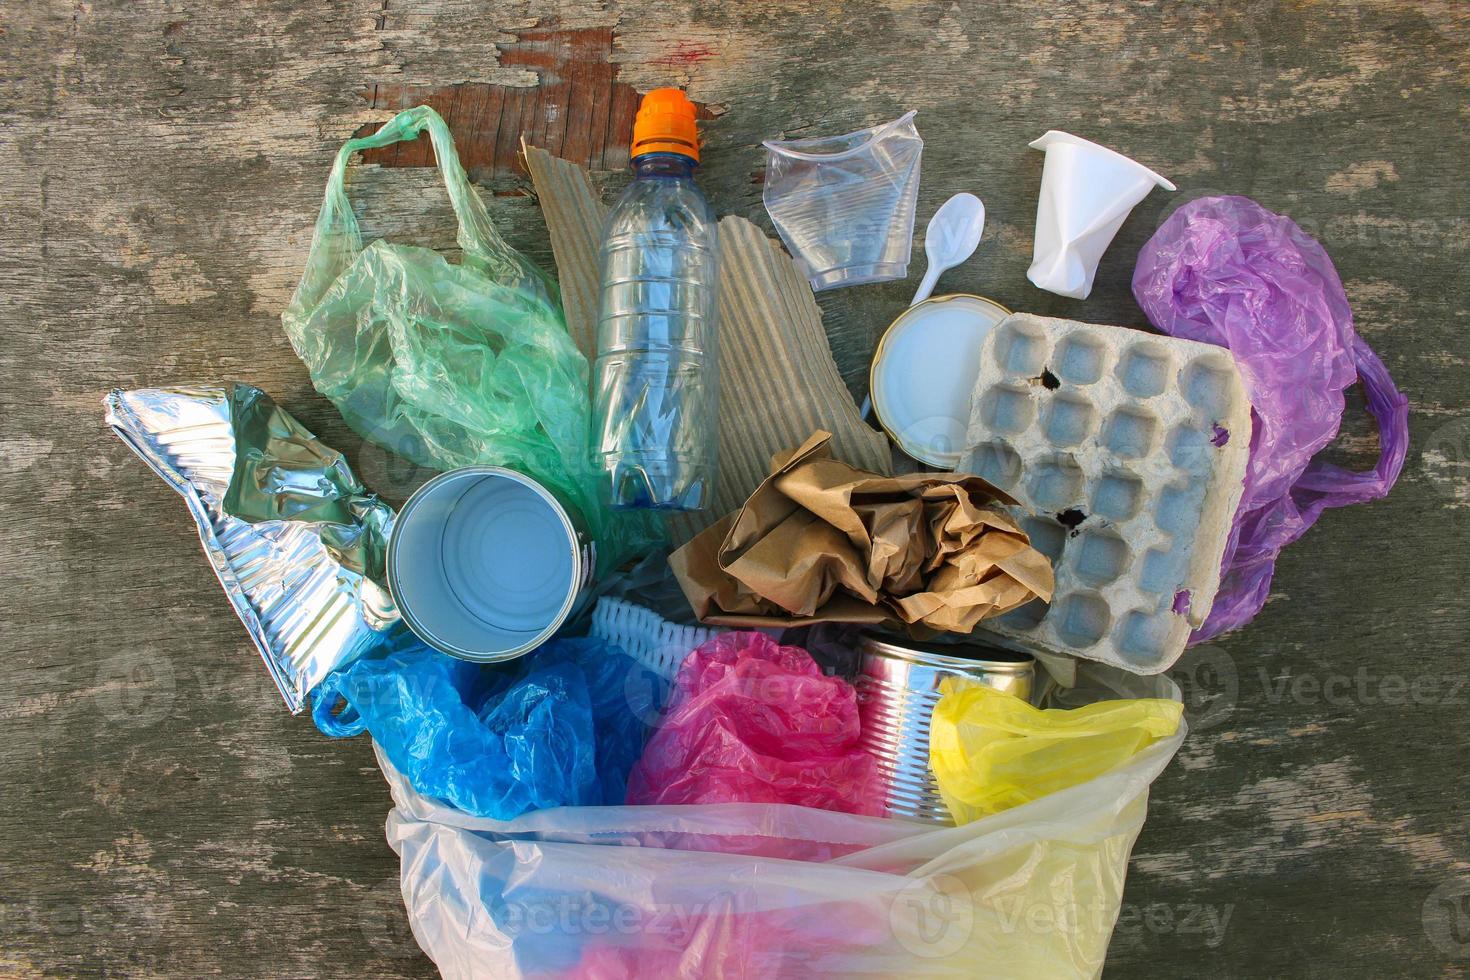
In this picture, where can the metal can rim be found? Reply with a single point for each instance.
(1007, 661)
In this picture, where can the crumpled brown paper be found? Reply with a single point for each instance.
(820, 540)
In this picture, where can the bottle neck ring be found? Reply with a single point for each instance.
(662, 164)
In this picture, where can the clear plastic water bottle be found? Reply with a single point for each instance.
(656, 381)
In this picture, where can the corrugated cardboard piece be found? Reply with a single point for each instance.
(778, 382)
(820, 540)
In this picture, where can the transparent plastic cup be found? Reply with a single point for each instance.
(844, 205)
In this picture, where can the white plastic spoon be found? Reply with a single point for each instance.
(951, 238)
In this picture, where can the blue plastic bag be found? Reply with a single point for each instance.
(560, 727)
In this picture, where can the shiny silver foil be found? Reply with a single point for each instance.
(294, 538)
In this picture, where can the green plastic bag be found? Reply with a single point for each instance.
(452, 364)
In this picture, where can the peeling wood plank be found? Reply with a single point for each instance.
(577, 108)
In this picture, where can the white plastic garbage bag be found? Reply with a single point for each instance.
(763, 891)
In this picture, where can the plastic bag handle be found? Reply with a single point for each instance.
(476, 235)
(337, 239)
(1338, 487)
(345, 723)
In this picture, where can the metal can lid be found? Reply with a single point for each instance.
(924, 373)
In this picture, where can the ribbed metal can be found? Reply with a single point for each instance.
(898, 687)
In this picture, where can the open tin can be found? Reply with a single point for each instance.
(485, 564)
(898, 687)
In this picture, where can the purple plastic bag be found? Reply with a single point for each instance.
(1226, 271)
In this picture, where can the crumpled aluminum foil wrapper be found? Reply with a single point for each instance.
(295, 539)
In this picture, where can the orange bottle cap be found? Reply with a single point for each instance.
(665, 124)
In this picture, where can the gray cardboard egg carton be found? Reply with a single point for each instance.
(1127, 452)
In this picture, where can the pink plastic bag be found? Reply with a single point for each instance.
(1226, 271)
(752, 721)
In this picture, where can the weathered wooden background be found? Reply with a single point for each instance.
(161, 163)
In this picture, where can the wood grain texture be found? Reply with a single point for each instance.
(161, 163)
(576, 107)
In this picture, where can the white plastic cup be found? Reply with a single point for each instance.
(1087, 192)
(485, 564)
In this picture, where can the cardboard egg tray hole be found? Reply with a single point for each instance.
(1127, 452)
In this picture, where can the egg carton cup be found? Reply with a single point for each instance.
(1127, 453)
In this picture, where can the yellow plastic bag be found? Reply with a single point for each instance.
(991, 751)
